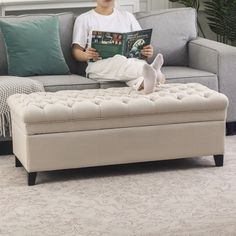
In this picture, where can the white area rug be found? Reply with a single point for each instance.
(180, 197)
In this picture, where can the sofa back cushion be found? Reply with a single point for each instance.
(66, 23)
(172, 30)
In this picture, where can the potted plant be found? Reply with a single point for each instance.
(221, 15)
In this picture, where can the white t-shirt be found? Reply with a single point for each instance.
(118, 21)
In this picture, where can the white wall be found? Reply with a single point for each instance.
(131, 5)
(16, 7)
(148, 5)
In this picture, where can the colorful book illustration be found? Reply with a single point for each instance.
(128, 44)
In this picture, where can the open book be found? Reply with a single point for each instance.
(129, 44)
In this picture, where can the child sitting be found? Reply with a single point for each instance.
(137, 73)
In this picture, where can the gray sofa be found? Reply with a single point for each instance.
(188, 58)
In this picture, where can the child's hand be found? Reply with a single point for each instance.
(147, 51)
(91, 53)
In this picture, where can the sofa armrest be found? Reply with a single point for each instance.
(218, 58)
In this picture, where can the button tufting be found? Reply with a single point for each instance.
(180, 96)
(70, 105)
(97, 103)
(125, 101)
(166, 98)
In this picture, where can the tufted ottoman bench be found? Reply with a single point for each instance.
(72, 129)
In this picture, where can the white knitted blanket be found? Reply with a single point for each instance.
(9, 86)
(116, 68)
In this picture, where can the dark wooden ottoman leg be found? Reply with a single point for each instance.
(219, 160)
(32, 178)
(17, 162)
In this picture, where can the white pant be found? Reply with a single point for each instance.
(117, 68)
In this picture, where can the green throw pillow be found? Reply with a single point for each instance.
(33, 47)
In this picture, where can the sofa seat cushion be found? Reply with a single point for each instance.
(104, 84)
(75, 82)
(95, 109)
(53, 83)
(182, 74)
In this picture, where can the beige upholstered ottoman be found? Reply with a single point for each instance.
(72, 129)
